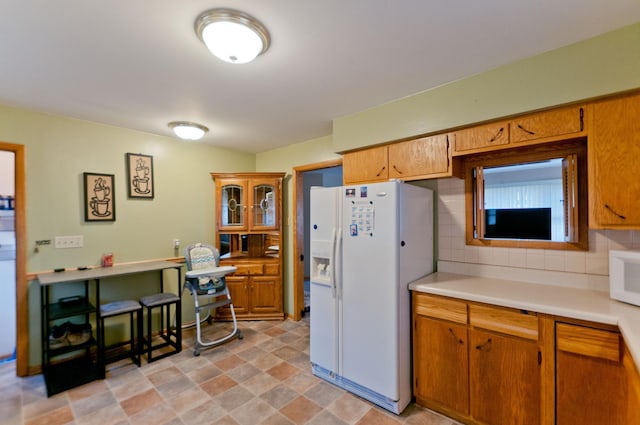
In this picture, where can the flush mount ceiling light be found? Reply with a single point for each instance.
(188, 130)
(232, 36)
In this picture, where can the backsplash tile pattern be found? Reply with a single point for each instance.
(591, 264)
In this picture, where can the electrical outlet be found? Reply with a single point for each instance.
(176, 243)
(76, 241)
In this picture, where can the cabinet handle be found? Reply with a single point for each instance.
(614, 212)
(497, 136)
(581, 119)
(484, 346)
(455, 338)
(396, 168)
(381, 170)
(525, 130)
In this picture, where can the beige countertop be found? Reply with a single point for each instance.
(595, 306)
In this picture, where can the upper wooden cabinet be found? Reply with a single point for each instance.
(553, 123)
(420, 158)
(426, 157)
(540, 127)
(248, 202)
(368, 165)
(614, 149)
(482, 136)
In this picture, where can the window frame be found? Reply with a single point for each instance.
(577, 239)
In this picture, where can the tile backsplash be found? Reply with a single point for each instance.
(452, 248)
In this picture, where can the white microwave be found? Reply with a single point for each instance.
(624, 276)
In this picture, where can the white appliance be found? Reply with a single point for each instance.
(624, 276)
(368, 242)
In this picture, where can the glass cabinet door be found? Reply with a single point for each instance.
(264, 212)
(232, 206)
(264, 199)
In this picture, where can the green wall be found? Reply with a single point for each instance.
(59, 150)
(602, 65)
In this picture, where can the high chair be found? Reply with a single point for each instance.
(206, 278)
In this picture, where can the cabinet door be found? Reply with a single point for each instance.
(558, 122)
(614, 149)
(238, 289)
(633, 379)
(368, 165)
(425, 157)
(590, 381)
(441, 368)
(265, 294)
(264, 198)
(232, 204)
(482, 137)
(504, 376)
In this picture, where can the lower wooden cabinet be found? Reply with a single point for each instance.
(591, 386)
(255, 289)
(483, 364)
(504, 378)
(441, 366)
(633, 381)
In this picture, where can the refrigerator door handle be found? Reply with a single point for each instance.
(334, 247)
(335, 268)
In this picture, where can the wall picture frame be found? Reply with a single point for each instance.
(99, 197)
(140, 176)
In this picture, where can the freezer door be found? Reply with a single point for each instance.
(370, 288)
(324, 276)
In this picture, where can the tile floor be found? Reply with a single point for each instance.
(264, 378)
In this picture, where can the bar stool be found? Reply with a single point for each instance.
(163, 301)
(113, 309)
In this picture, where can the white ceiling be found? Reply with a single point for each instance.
(138, 63)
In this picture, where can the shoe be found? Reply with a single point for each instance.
(58, 337)
(79, 334)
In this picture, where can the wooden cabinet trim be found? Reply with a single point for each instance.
(510, 322)
(271, 269)
(588, 341)
(440, 308)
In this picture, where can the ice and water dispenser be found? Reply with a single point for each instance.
(320, 267)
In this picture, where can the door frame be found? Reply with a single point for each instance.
(22, 289)
(298, 226)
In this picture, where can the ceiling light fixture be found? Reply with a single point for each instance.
(188, 130)
(231, 35)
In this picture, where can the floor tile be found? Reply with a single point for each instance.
(263, 379)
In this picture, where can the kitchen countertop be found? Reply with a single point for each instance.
(595, 306)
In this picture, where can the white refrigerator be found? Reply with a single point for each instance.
(368, 242)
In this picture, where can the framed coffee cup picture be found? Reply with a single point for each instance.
(140, 176)
(99, 197)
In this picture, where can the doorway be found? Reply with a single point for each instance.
(326, 174)
(7, 256)
(13, 217)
